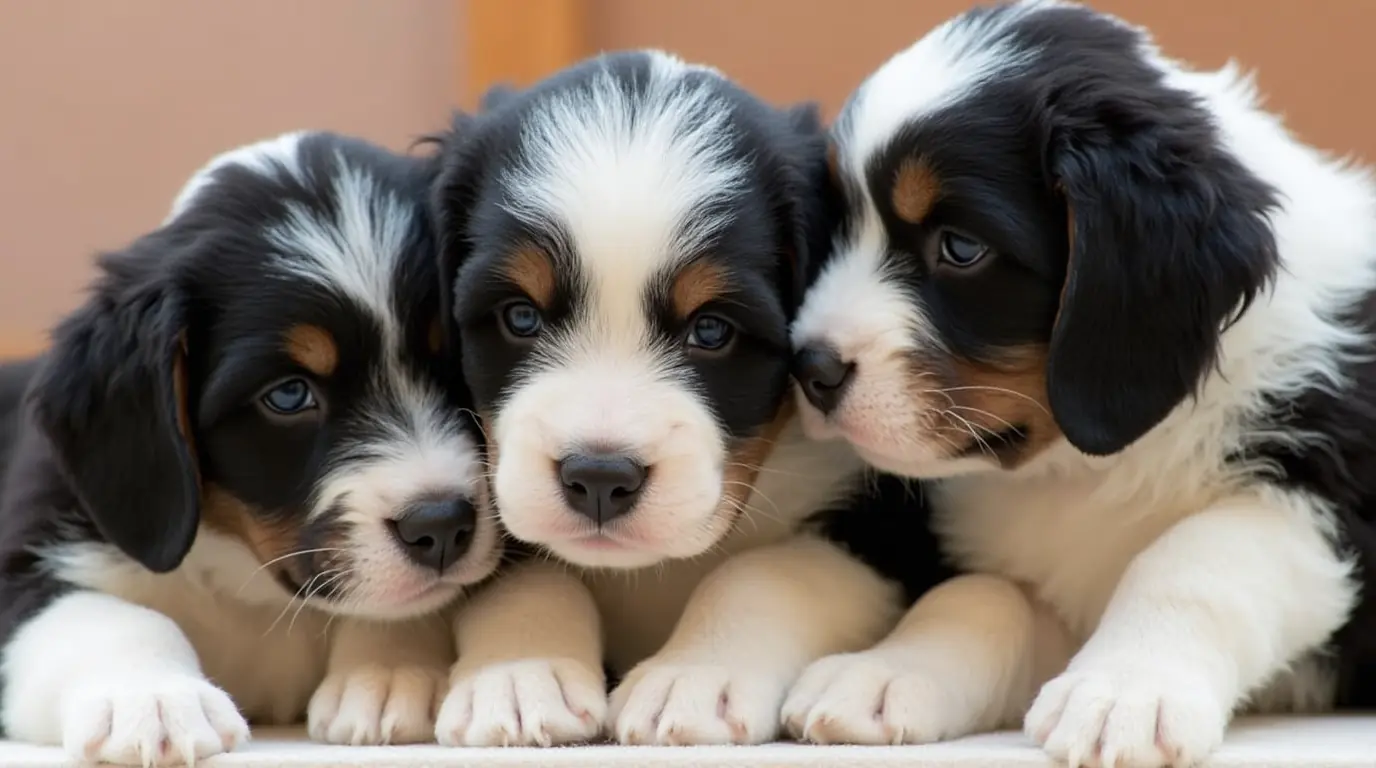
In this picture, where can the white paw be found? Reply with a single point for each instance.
(875, 698)
(663, 703)
(157, 720)
(533, 702)
(375, 705)
(1127, 715)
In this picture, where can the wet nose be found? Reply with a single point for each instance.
(823, 375)
(601, 486)
(435, 534)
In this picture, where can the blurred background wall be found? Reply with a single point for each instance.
(106, 107)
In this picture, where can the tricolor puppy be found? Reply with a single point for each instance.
(240, 472)
(1122, 320)
(626, 244)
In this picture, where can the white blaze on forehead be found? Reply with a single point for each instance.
(637, 178)
(937, 71)
(268, 157)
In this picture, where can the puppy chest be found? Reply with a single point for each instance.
(1069, 543)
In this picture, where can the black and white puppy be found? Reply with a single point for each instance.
(1123, 322)
(240, 471)
(626, 244)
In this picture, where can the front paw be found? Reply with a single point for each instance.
(157, 720)
(665, 703)
(533, 702)
(876, 697)
(1128, 714)
(375, 705)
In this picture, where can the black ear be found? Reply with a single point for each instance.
(112, 399)
(1169, 241)
(452, 197)
(808, 193)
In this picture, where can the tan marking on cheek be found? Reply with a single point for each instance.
(533, 272)
(915, 190)
(695, 285)
(748, 454)
(313, 348)
(268, 540)
(1011, 391)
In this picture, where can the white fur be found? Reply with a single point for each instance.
(632, 196)
(695, 598)
(160, 638)
(1193, 587)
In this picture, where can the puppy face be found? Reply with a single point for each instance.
(268, 365)
(623, 249)
(1042, 238)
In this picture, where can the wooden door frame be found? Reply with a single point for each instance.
(516, 42)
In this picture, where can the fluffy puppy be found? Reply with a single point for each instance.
(626, 244)
(240, 471)
(1122, 320)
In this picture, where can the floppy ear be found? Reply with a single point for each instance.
(452, 196)
(808, 190)
(1169, 242)
(112, 399)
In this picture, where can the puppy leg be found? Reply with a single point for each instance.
(113, 682)
(383, 682)
(1208, 612)
(966, 658)
(748, 631)
(530, 663)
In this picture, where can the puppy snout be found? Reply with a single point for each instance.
(823, 376)
(436, 533)
(601, 486)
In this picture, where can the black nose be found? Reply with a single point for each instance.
(435, 534)
(823, 375)
(601, 486)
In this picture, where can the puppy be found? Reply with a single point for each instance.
(626, 243)
(241, 476)
(1121, 320)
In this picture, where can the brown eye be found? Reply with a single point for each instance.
(961, 251)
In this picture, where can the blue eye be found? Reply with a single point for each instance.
(289, 398)
(710, 333)
(961, 251)
(522, 319)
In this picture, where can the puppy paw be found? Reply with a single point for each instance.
(533, 702)
(680, 704)
(155, 720)
(375, 705)
(875, 698)
(1119, 714)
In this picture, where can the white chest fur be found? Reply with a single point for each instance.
(639, 608)
(266, 650)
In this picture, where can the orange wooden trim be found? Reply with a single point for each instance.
(517, 42)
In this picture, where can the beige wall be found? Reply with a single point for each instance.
(106, 106)
(1315, 58)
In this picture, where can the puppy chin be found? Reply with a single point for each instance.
(892, 434)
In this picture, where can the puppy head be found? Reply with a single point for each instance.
(624, 243)
(267, 365)
(1043, 237)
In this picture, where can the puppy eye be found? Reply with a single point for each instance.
(710, 333)
(522, 319)
(289, 398)
(961, 251)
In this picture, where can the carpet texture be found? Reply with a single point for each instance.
(1321, 742)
